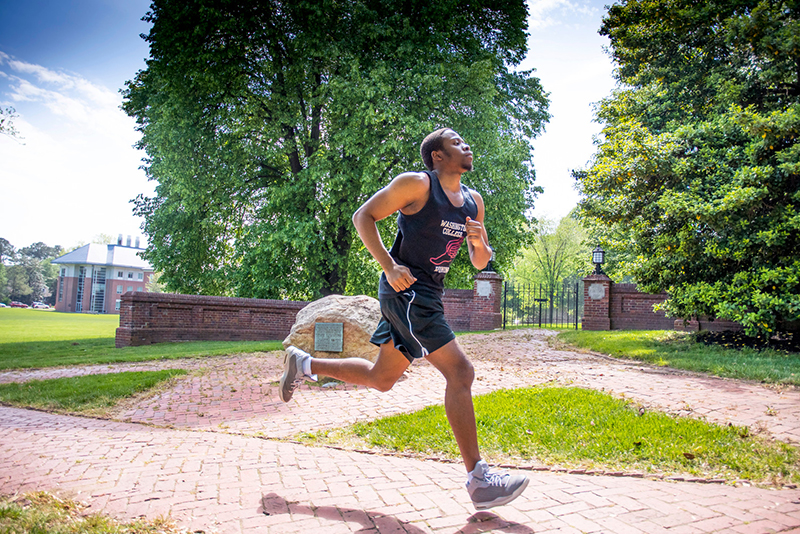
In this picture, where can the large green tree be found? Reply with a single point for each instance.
(696, 183)
(267, 123)
(30, 275)
(559, 251)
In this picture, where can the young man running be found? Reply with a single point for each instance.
(437, 213)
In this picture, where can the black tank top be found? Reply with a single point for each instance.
(427, 242)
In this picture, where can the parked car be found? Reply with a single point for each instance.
(15, 304)
(3, 305)
(40, 306)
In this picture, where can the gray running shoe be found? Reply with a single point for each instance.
(489, 488)
(293, 374)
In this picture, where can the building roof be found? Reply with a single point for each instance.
(110, 255)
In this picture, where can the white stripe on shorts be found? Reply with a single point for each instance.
(410, 327)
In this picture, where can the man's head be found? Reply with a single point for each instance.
(447, 143)
(433, 141)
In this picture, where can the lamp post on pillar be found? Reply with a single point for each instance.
(597, 295)
(598, 258)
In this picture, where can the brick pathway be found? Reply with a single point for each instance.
(209, 472)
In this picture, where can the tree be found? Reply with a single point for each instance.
(266, 125)
(7, 117)
(40, 251)
(559, 251)
(154, 284)
(104, 239)
(7, 250)
(31, 276)
(558, 255)
(695, 182)
(4, 293)
(18, 288)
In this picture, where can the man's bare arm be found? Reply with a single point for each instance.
(480, 253)
(406, 190)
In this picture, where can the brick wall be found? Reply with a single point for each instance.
(610, 306)
(487, 302)
(147, 318)
(632, 310)
(458, 308)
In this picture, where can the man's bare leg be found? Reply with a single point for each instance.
(451, 361)
(381, 375)
(487, 487)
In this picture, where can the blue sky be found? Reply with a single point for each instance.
(62, 63)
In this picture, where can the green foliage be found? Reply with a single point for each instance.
(558, 252)
(17, 284)
(41, 512)
(82, 393)
(4, 292)
(30, 276)
(266, 125)
(585, 428)
(694, 187)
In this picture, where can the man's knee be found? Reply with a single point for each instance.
(462, 374)
(383, 384)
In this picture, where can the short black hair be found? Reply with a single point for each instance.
(433, 141)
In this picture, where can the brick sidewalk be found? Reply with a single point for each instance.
(219, 482)
(229, 481)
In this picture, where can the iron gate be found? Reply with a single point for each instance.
(542, 305)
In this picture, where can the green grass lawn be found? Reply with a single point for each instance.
(681, 351)
(87, 394)
(36, 338)
(20, 325)
(582, 428)
(44, 513)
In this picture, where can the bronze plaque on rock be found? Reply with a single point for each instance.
(328, 337)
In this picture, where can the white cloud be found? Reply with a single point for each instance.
(545, 13)
(73, 175)
(568, 56)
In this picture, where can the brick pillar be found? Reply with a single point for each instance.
(126, 322)
(487, 302)
(596, 302)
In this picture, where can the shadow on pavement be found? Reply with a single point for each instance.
(274, 504)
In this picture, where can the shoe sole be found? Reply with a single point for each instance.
(288, 362)
(500, 501)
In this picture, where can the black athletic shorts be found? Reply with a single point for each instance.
(414, 323)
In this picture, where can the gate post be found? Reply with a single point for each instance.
(597, 302)
(487, 302)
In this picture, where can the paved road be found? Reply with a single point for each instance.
(197, 453)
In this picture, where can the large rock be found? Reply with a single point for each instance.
(359, 316)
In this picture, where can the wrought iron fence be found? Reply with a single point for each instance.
(559, 306)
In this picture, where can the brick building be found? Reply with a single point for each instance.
(93, 278)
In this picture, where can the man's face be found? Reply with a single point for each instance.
(456, 152)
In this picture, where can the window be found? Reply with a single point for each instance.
(130, 288)
(63, 271)
(141, 276)
(119, 289)
(116, 306)
(130, 275)
(119, 274)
